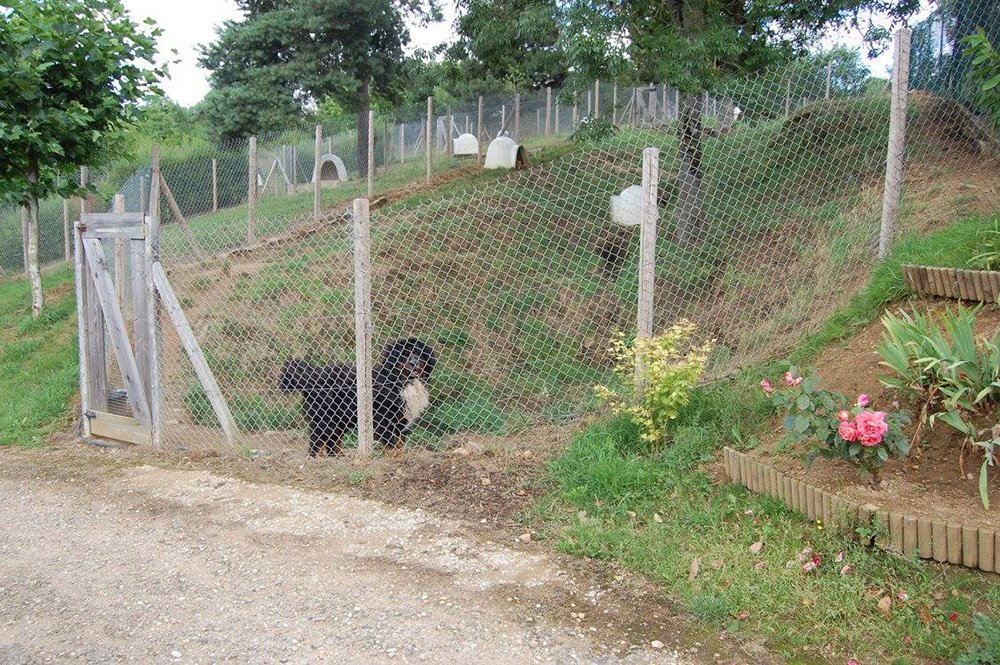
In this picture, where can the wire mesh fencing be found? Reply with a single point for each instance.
(493, 308)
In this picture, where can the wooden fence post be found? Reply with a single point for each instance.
(576, 110)
(215, 184)
(479, 132)
(449, 145)
(548, 110)
(614, 103)
(371, 152)
(317, 179)
(556, 128)
(897, 138)
(517, 117)
(363, 324)
(252, 190)
(597, 98)
(428, 135)
(647, 251)
(402, 142)
(66, 231)
(119, 206)
(152, 255)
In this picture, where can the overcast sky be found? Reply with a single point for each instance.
(188, 23)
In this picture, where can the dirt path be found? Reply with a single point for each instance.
(122, 563)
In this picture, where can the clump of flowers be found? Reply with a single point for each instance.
(829, 426)
(656, 377)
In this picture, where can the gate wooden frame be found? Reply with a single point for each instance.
(100, 317)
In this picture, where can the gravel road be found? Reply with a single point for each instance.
(153, 565)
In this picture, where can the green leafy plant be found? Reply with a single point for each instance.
(989, 258)
(592, 130)
(953, 373)
(987, 650)
(824, 422)
(985, 72)
(656, 377)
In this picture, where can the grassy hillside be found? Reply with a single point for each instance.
(521, 282)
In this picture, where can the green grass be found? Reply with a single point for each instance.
(38, 359)
(657, 512)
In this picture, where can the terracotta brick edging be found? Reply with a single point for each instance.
(930, 538)
(958, 283)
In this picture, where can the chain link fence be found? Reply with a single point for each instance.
(770, 196)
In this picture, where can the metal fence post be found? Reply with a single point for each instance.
(897, 138)
(363, 325)
(317, 168)
(252, 190)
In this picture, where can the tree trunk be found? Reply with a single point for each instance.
(34, 273)
(363, 107)
(690, 178)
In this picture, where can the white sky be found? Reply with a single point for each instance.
(188, 23)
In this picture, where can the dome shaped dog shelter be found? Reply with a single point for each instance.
(466, 144)
(504, 153)
(626, 208)
(331, 169)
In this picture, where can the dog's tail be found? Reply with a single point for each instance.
(297, 374)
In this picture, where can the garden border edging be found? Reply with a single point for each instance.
(971, 546)
(958, 283)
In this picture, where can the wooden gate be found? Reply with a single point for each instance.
(101, 295)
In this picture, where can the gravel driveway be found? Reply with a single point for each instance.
(153, 565)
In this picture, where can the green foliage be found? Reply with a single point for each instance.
(593, 130)
(986, 651)
(829, 426)
(984, 72)
(524, 53)
(955, 374)
(656, 377)
(989, 256)
(70, 78)
(38, 361)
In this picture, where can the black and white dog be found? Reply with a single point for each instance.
(401, 394)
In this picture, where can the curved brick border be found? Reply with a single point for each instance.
(981, 285)
(971, 546)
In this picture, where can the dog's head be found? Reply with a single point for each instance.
(411, 358)
(295, 375)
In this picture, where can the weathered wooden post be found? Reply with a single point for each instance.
(479, 132)
(517, 117)
(252, 191)
(66, 230)
(597, 98)
(402, 142)
(119, 207)
(429, 135)
(317, 175)
(897, 138)
(371, 152)
(548, 110)
(363, 324)
(215, 184)
(647, 251)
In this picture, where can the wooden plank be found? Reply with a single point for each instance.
(97, 220)
(194, 353)
(994, 278)
(82, 329)
(896, 531)
(152, 251)
(939, 541)
(119, 428)
(647, 253)
(987, 538)
(120, 257)
(909, 534)
(363, 325)
(970, 547)
(140, 328)
(129, 232)
(98, 267)
(925, 538)
(97, 367)
(175, 209)
(954, 543)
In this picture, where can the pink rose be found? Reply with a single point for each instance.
(848, 431)
(871, 427)
(843, 416)
(789, 379)
(863, 400)
(765, 385)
